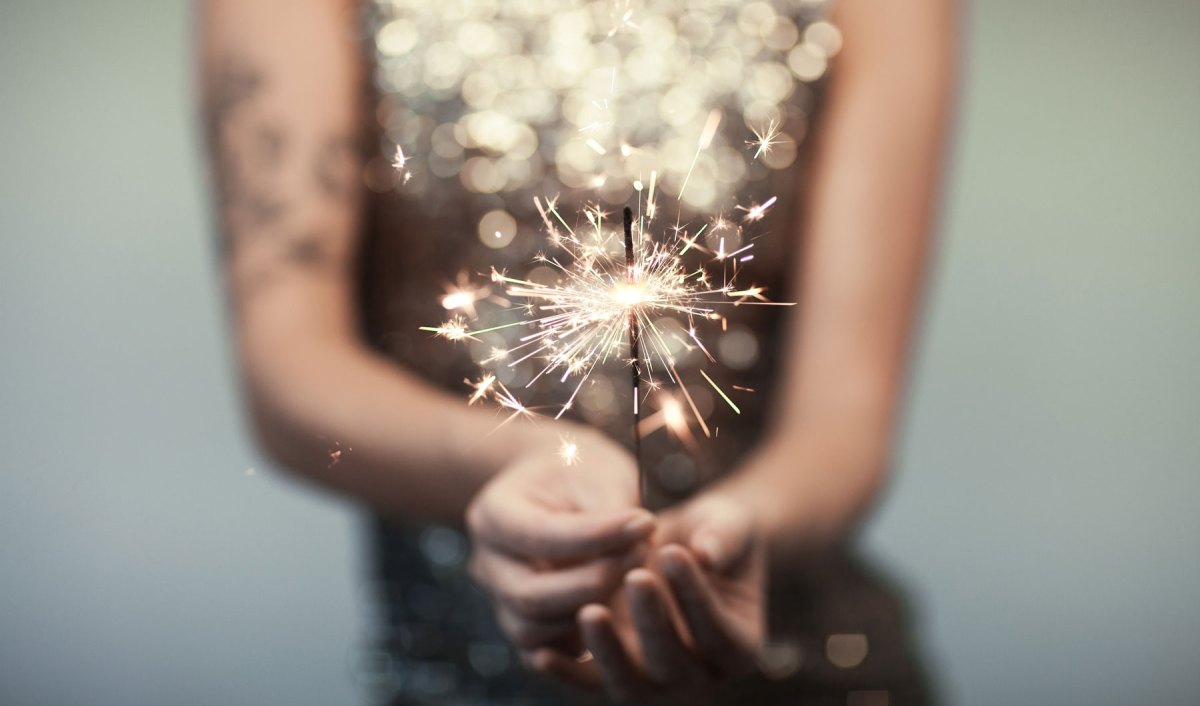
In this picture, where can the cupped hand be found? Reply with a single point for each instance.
(694, 618)
(550, 537)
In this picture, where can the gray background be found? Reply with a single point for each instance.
(1043, 514)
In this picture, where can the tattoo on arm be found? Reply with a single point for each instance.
(248, 152)
(334, 169)
(308, 251)
(252, 152)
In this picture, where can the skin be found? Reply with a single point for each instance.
(667, 604)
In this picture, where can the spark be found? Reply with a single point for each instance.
(400, 160)
(463, 297)
(507, 400)
(750, 293)
(568, 451)
(765, 138)
(488, 387)
(755, 212)
(673, 414)
(622, 17)
(721, 392)
(482, 387)
(672, 417)
(455, 329)
(335, 454)
(400, 164)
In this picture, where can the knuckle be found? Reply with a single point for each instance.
(526, 602)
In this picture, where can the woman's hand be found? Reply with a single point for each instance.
(692, 620)
(550, 537)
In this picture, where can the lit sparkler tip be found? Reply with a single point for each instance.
(599, 301)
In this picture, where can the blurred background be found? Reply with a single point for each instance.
(1043, 515)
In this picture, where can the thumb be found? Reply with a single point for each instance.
(723, 535)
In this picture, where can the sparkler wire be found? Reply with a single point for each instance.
(634, 353)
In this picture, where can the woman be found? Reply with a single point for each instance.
(330, 280)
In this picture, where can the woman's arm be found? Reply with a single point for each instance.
(867, 232)
(283, 86)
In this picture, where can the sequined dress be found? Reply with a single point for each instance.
(698, 108)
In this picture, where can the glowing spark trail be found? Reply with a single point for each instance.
(706, 138)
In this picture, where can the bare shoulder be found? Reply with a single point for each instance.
(890, 37)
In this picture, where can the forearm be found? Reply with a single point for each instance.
(283, 85)
(349, 420)
(866, 238)
(808, 491)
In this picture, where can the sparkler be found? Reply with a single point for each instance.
(603, 302)
(634, 348)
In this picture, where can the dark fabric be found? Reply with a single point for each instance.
(839, 634)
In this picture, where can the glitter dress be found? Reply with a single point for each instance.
(696, 110)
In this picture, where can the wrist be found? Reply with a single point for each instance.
(806, 491)
(757, 485)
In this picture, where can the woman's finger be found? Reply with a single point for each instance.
(517, 526)
(724, 538)
(551, 593)
(694, 594)
(621, 678)
(573, 670)
(666, 659)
